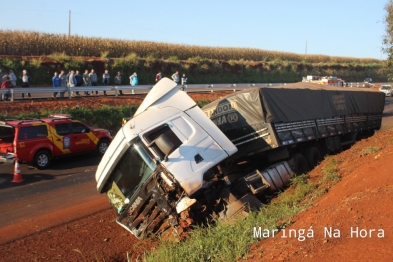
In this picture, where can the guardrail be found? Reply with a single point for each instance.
(189, 88)
(69, 90)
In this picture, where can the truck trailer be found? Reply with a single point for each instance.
(174, 164)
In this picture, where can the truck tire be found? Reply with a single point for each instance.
(42, 159)
(313, 156)
(298, 164)
(102, 146)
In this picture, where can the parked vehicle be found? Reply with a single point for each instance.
(324, 80)
(37, 141)
(174, 164)
(387, 89)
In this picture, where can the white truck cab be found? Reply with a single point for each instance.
(168, 143)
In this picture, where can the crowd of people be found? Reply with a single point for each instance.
(8, 80)
(75, 79)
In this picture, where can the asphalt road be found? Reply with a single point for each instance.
(45, 198)
(64, 192)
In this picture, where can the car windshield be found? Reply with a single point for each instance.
(134, 167)
(385, 87)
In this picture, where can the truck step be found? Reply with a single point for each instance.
(241, 208)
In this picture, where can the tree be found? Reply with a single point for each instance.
(388, 38)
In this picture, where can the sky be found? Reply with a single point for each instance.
(350, 28)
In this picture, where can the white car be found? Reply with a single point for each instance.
(387, 89)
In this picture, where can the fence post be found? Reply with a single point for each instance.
(132, 92)
(69, 92)
(12, 94)
(116, 91)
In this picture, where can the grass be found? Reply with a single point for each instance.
(60, 57)
(228, 242)
(369, 150)
(103, 117)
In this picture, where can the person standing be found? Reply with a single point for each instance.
(134, 79)
(63, 82)
(158, 76)
(105, 79)
(79, 81)
(93, 79)
(55, 83)
(1, 76)
(5, 83)
(184, 79)
(118, 82)
(72, 79)
(86, 81)
(176, 77)
(12, 77)
(184, 82)
(25, 82)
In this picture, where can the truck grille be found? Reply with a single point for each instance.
(148, 217)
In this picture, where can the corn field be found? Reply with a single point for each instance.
(27, 43)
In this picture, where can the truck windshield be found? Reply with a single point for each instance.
(134, 167)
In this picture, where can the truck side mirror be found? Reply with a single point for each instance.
(164, 145)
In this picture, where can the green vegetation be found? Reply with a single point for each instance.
(104, 117)
(200, 63)
(231, 241)
(35, 43)
(388, 39)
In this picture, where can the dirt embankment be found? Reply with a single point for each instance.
(27, 105)
(356, 211)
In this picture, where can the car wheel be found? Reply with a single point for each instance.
(42, 159)
(102, 146)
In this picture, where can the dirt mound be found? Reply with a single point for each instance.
(355, 211)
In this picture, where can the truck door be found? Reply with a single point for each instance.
(30, 137)
(62, 139)
(80, 140)
(190, 150)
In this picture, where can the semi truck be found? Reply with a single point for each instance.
(174, 164)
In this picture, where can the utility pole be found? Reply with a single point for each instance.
(69, 23)
(306, 52)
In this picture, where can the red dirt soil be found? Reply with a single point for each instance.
(361, 199)
(26, 106)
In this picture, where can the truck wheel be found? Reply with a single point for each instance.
(42, 159)
(102, 146)
(313, 156)
(298, 164)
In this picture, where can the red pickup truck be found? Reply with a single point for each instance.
(38, 141)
